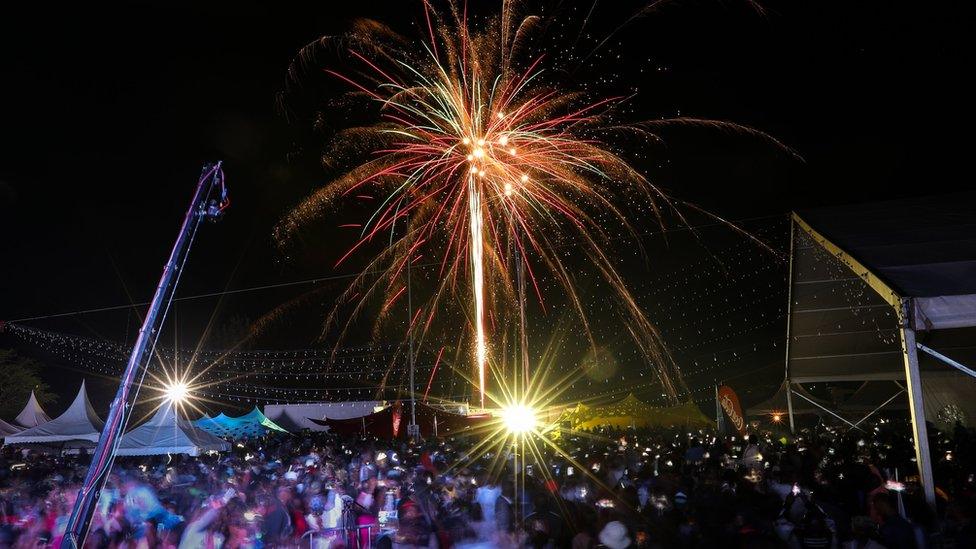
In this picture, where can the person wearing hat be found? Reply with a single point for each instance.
(615, 536)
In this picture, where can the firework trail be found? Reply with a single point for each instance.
(478, 281)
(474, 156)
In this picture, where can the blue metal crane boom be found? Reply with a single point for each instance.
(209, 202)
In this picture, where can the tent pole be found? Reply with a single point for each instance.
(882, 405)
(853, 426)
(789, 404)
(789, 322)
(947, 360)
(916, 405)
(718, 412)
(413, 386)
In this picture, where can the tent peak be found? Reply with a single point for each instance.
(32, 415)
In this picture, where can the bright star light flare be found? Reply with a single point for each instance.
(519, 418)
(177, 392)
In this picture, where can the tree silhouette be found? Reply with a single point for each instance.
(20, 376)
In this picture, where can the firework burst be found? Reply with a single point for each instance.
(479, 158)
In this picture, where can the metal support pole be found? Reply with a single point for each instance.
(719, 419)
(916, 405)
(789, 404)
(879, 407)
(853, 426)
(413, 386)
(789, 325)
(957, 365)
(201, 207)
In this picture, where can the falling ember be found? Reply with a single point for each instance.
(478, 282)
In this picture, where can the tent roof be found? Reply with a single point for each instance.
(391, 422)
(256, 416)
(684, 414)
(251, 424)
(634, 411)
(8, 429)
(166, 433)
(32, 415)
(295, 417)
(921, 247)
(854, 267)
(78, 422)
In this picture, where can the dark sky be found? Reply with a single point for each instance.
(107, 113)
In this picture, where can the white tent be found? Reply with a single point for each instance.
(167, 433)
(32, 415)
(296, 417)
(8, 429)
(78, 423)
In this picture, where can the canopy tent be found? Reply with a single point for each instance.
(632, 412)
(439, 422)
(777, 404)
(78, 424)
(687, 415)
(209, 424)
(295, 417)
(250, 425)
(385, 423)
(391, 422)
(567, 417)
(870, 286)
(8, 429)
(32, 415)
(167, 433)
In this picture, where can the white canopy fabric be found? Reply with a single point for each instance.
(295, 417)
(32, 415)
(78, 423)
(943, 312)
(167, 433)
(8, 429)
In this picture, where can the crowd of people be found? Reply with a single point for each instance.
(614, 488)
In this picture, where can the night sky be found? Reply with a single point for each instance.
(107, 113)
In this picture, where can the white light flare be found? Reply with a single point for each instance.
(177, 392)
(519, 418)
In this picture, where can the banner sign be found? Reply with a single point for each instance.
(730, 405)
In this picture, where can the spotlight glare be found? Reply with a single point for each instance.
(519, 418)
(177, 391)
